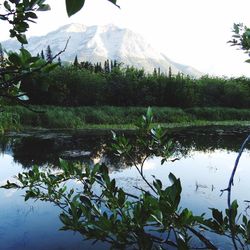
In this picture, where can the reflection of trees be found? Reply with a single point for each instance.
(43, 150)
(210, 139)
(37, 150)
(5, 144)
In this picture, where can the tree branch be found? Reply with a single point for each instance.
(229, 188)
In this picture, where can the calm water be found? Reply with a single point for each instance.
(206, 156)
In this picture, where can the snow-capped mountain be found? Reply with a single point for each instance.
(99, 43)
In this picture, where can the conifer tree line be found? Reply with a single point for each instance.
(83, 83)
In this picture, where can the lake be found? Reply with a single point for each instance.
(206, 158)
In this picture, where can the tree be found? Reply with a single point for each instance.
(49, 56)
(59, 61)
(170, 72)
(1, 56)
(42, 55)
(107, 66)
(76, 63)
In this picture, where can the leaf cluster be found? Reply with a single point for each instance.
(241, 38)
(19, 14)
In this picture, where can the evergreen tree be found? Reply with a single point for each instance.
(159, 71)
(98, 67)
(42, 55)
(170, 72)
(111, 65)
(49, 56)
(59, 61)
(1, 56)
(76, 63)
(106, 66)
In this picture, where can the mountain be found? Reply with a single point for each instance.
(99, 43)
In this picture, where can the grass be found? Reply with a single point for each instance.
(107, 117)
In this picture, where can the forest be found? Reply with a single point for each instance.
(87, 84)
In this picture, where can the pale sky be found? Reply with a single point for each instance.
(192, 32)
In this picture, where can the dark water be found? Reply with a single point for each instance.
(207, 156)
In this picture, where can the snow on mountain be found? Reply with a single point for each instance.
(99, 43)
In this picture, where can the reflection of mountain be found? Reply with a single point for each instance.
(48, 148)
(99, 43)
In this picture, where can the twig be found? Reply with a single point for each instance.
(229, 189)
(141, 174)
(7, 84)
(203, 239)
(19, 77)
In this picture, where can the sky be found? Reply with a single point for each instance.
(192, 32)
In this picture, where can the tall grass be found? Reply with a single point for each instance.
(9, 121)
(80, 117)
(219, 114)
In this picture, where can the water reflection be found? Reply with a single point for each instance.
(206, 160)
(40, 148)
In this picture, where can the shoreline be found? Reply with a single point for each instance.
(117, 118)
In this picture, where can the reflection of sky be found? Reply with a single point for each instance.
(30, 225)
(202, 175)
(34, 225)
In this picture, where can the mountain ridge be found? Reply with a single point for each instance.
(99, 43)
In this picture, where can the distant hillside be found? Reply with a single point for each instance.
(99, 43)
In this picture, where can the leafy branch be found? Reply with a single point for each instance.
(112, 214)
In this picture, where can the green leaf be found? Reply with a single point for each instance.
(44, 7)
(157, 184)
(7, 6)
(15, 59)
(182, 245)
(22, 38)
(121, 197)
(172, 178)
(217, 215)
(114, 2)
(149, 114)
(27, 196)
(114, 137)
(244, 219)
(65, 219)
(236, 28)
(22, 27)
(234, 208)
(85, 200)
(73, 6)
(25, 54)
(50, 67)
(31, 15)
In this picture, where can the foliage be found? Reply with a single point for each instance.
(241, 38)
(148, 218)
(9, 121)
(19, 14)
(90, 84)
(73, 6)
